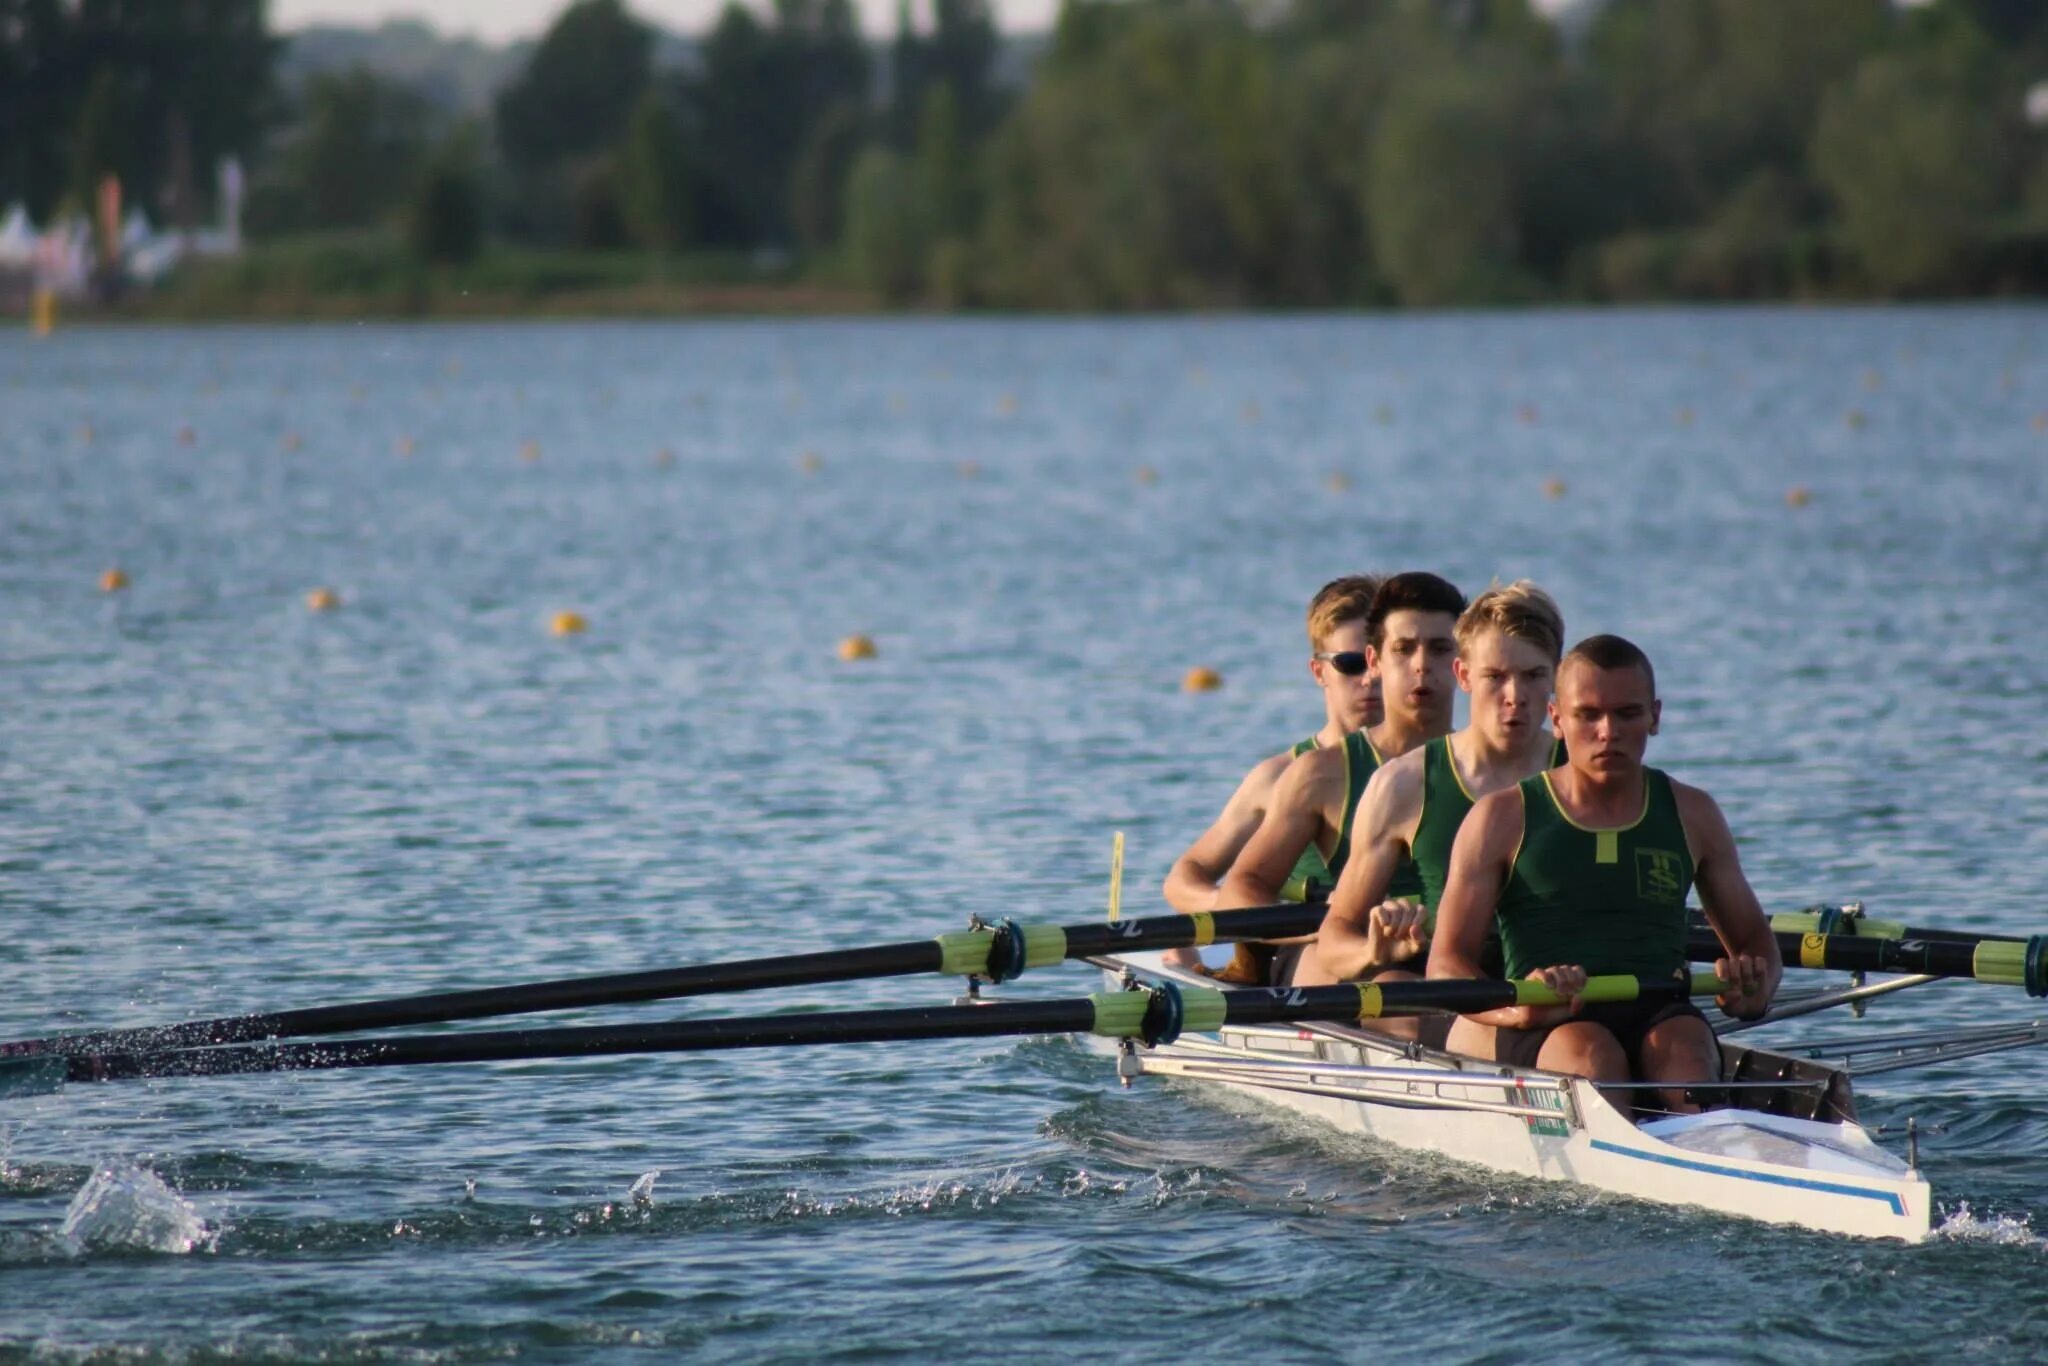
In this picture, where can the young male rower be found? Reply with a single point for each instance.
(1351, 701)
(1411, 635)
(1509, 642)
(1586, 868)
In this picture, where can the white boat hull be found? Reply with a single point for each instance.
(1821, 1174)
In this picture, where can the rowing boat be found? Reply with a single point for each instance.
(1788, 1150)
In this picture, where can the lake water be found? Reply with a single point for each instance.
(213, 799)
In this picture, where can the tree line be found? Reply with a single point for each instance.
(1162, 153)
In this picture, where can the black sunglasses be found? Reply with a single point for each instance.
(1350, 663)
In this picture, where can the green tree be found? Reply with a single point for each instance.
(104, 141)
(817, 184)
(446, 224)
(1440, 193)
(579, 88)
(1907, 152)
(656, 189)
(887, 236)
(359, 148)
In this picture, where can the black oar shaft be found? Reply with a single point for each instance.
(1156, 1016)
(1001, 951)
(2001, 962)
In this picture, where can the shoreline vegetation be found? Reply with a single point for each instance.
(1143, 156)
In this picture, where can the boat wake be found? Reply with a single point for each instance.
(123, 1207)
(1961, 1224)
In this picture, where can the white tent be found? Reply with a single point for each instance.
(17, 238)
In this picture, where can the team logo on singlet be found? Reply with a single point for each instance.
(1660, 876)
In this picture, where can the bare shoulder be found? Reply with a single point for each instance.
(1495, 821)
(1395, 789)
(1705, 826)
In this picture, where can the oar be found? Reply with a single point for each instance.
(1999, 962)
(998, 952)
(1155, 1015)
(1838, 920)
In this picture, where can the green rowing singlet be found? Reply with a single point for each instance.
(1361, 761)
(1310, 867)
(1612, 901)
(1445, 802)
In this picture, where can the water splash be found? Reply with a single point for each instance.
(1963, 1225)
(126, 1207)
(643, 1189)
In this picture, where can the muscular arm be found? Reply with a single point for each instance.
(1350, 943)
(1480, 860)
(1197, 876)
(1295, 818)
(1751, 963)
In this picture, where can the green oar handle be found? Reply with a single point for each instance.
(1998, 962)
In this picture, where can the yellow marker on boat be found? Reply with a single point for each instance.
(1116, 878)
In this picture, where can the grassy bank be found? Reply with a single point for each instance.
(370, 276)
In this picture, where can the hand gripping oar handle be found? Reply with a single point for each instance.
(999, 952)
(1155, 1016)
(1999, 962)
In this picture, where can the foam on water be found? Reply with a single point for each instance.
(1961, 1224)
(123, 1206)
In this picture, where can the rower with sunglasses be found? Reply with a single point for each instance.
(1411, 639)
(1351, 702)
(1509, 643)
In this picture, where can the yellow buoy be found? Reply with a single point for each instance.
(85, 433)
(113, 581)
(1336, 481)
(406, 447)
(810, 462)
(856, 647)
(43, 312)
(1147, 475)
(322, 600)
(1856, 419)
(569, 624)
(898, 403)
(1553, 488)
(1201, 678)
(530, 452)
(1798, 496)
(1007, 404)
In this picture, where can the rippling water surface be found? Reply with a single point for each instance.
(212, 799)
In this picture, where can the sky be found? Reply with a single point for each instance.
(498, 20)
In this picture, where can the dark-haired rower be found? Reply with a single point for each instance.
(1411, 641)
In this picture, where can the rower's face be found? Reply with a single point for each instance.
(1510, 682)
(1606, 717)
(1354, 698)
(1414, 662)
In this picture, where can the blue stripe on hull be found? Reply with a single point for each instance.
(1769, 1178)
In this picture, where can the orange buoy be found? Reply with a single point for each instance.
(1250, 412)
(1527, 413)
(113, 581)
(663, 458)
(530, 452)
(856, 647)
(406, 447)
(1685, 417)
(292, 441)
(1553, 488)
(1006, 405)
(810, 462)
(1856, 419)
(186, 436)
(322, 600)
(1201, 678)
(1798, 496)
(569, 624)
(1336, 481)
(968, 469)
(1147, 475)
